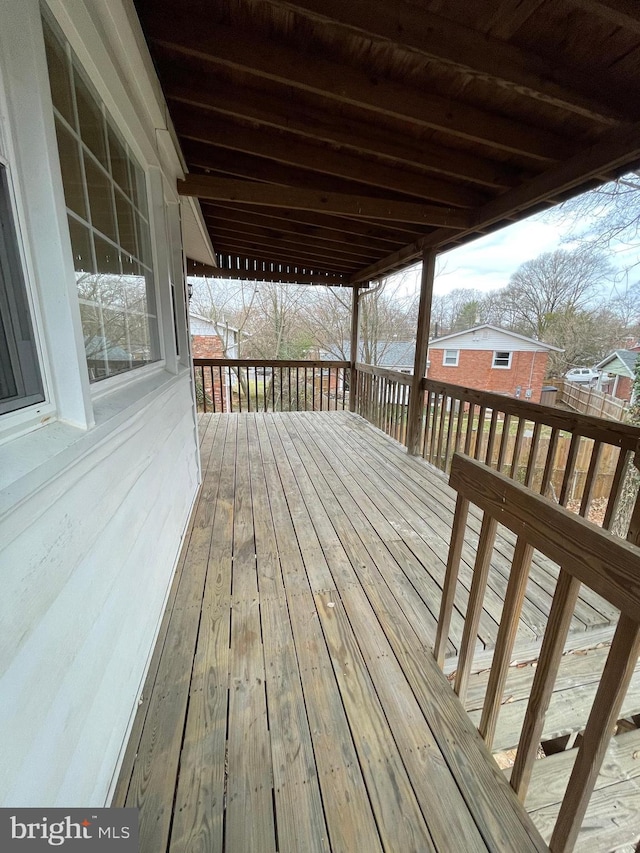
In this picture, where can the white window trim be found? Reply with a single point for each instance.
(446, 363)
(501, 366)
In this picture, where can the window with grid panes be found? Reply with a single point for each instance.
(106, 199)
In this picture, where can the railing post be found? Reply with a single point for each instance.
(414, 416)
(353, 354)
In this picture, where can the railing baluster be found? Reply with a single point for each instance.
(614, 494)
(447, 449)
(548, 466)
(231, 390)
(533, 455)
(440, 462)
(474, 607)
(467, 439)
(517, 448)
(587, 491)
(570, 468)
(509, 622)
(434, 428)
(451, 578)
(560, 615)
(459, 421)
(614, 683)
(477, 453)
(493, 424)
(204, 393)
(426, 424)
(222, 394)
(504, 442)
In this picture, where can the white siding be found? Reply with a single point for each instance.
(84, 582)
(489, 339)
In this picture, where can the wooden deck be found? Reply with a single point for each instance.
(292, 701)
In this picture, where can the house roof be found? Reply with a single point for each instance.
(515, 335)
(333, 142)
(626, 357)
(391, 354)
(215, 324)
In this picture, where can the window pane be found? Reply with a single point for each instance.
(119, 162)
(126, 224)
(81, 245)
(20, 382)
(69, 151)
(111, 245)
(92, 124)
(100, 199)
(59, 77)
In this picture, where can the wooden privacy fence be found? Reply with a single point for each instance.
(586, 555)
(243, 385)
(589, 401)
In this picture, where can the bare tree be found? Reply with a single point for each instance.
(554, 283)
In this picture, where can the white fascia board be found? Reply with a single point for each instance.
(197, 243)
(508, 332)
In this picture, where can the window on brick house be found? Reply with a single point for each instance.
(502, 359)
(450, 358)
(106, 197)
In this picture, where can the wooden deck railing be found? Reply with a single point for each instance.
(585, 554)
(244, 385)
(571, 457)
(383, 399)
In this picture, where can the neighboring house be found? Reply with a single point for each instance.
(491, 359)
(618, 373)
(99, 463)
(211, 339)
(395, 355)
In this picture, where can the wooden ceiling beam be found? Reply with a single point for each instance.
(618, 149)
(226, 189)
(336, 224)
(223, 228)
(291, 150)
(442, 40)
(211, 93)
(251, 53)
(264, 237)
(329, 236)
(195, 269)
(622, 13)
(235, 164)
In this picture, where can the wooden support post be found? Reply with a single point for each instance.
(414, 417)
(353, 353)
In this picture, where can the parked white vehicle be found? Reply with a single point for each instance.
(584, 375)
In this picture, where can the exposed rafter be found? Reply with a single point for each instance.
(291, 150)
(250, 272)
(271, 111)
(207, 186)
(237, 48)
(442, 40)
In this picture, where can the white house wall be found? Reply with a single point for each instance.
(97, 484)
(488, 339)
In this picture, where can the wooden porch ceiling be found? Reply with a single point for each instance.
(342, 138)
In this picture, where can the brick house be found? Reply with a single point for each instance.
(491, 359)
(211, 339)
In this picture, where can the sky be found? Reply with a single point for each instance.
(488, 263)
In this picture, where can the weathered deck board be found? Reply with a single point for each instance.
(292, 703)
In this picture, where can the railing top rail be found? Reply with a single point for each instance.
(394, 375)
(589, 426)
(608, 565)
(266, 362)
